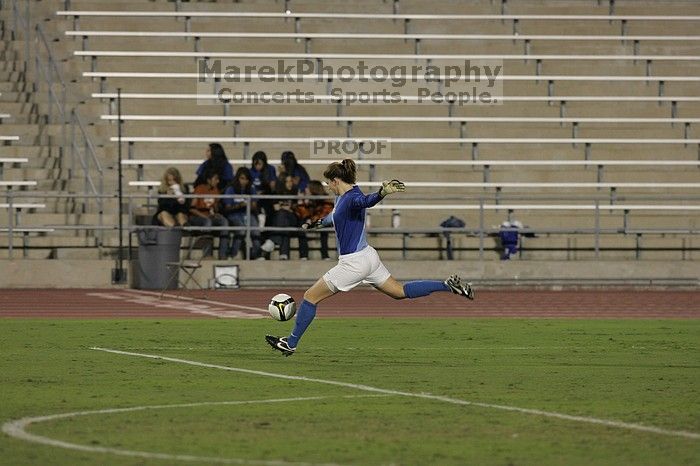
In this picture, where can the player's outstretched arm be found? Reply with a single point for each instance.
(361, 201)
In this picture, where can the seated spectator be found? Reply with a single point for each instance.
(171, 211)
(285, 216)
(235, 210)
(291, 167)
(316, 209)
(204, 211)
(264, 178)
(216, 160)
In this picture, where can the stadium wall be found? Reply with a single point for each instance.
(96, 274)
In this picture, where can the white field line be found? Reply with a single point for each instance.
(205, 301)
(17, 429)
(428, 396)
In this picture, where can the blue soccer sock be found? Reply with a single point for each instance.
(419, 288)
(305, 315)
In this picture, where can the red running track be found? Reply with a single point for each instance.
(362, 302)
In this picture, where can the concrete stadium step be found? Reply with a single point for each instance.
(135, 5)
(540, 219)
(187, 150)
(34, 152)
(30, 130)
(643, 28)
(621, 8)
(30, 254)
(476, 174)
(574, 247)
(191, 107)
(60, 253)
(312, 25)
(18, 108)
(41, 97)
(11, 76)
(165, 64)
(27, 119)
(26, 108)
(432, 129)
(427, 129)
(23, 172)
(51, 240)
(9, 87)
(542, 175)
(52, 130)
(511, 109)
(372, 130)
(76, 185)
(45, 218)
(52, 205)
(394, 130)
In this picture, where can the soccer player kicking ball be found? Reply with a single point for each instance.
(357, 261)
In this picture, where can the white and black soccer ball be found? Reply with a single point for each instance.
(282, 307)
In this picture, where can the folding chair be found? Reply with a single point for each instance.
(188, 263)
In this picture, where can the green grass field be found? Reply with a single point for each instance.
(633, 371)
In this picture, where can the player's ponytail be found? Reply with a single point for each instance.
(346, 170)
(350, 170)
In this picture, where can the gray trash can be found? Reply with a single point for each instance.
(156, 249)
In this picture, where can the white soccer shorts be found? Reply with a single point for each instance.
(358, 267)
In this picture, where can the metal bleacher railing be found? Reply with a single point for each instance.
(595, 206)
(417, 38)
(516, 18)
(330, 79)
(485, 165)
(575, 122)
(539, 59)
(472, 142)
(341, 100)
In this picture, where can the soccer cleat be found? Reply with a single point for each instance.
(280, 344)
(454, 283)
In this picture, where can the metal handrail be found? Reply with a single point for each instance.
(88, 141)
(48, 76)
(52, 61)
(25, 21)
(88, 153)
(50, 73)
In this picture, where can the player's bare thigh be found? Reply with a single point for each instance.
(392, 287)
(318, 292)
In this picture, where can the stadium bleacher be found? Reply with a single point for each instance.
(598, 107)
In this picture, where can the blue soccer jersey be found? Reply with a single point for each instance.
(348, 218)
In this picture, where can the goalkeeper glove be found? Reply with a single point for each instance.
(389, 187)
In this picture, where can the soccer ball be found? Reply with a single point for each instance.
(282, 307)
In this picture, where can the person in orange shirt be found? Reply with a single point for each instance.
(204, 211)
(318, 209)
